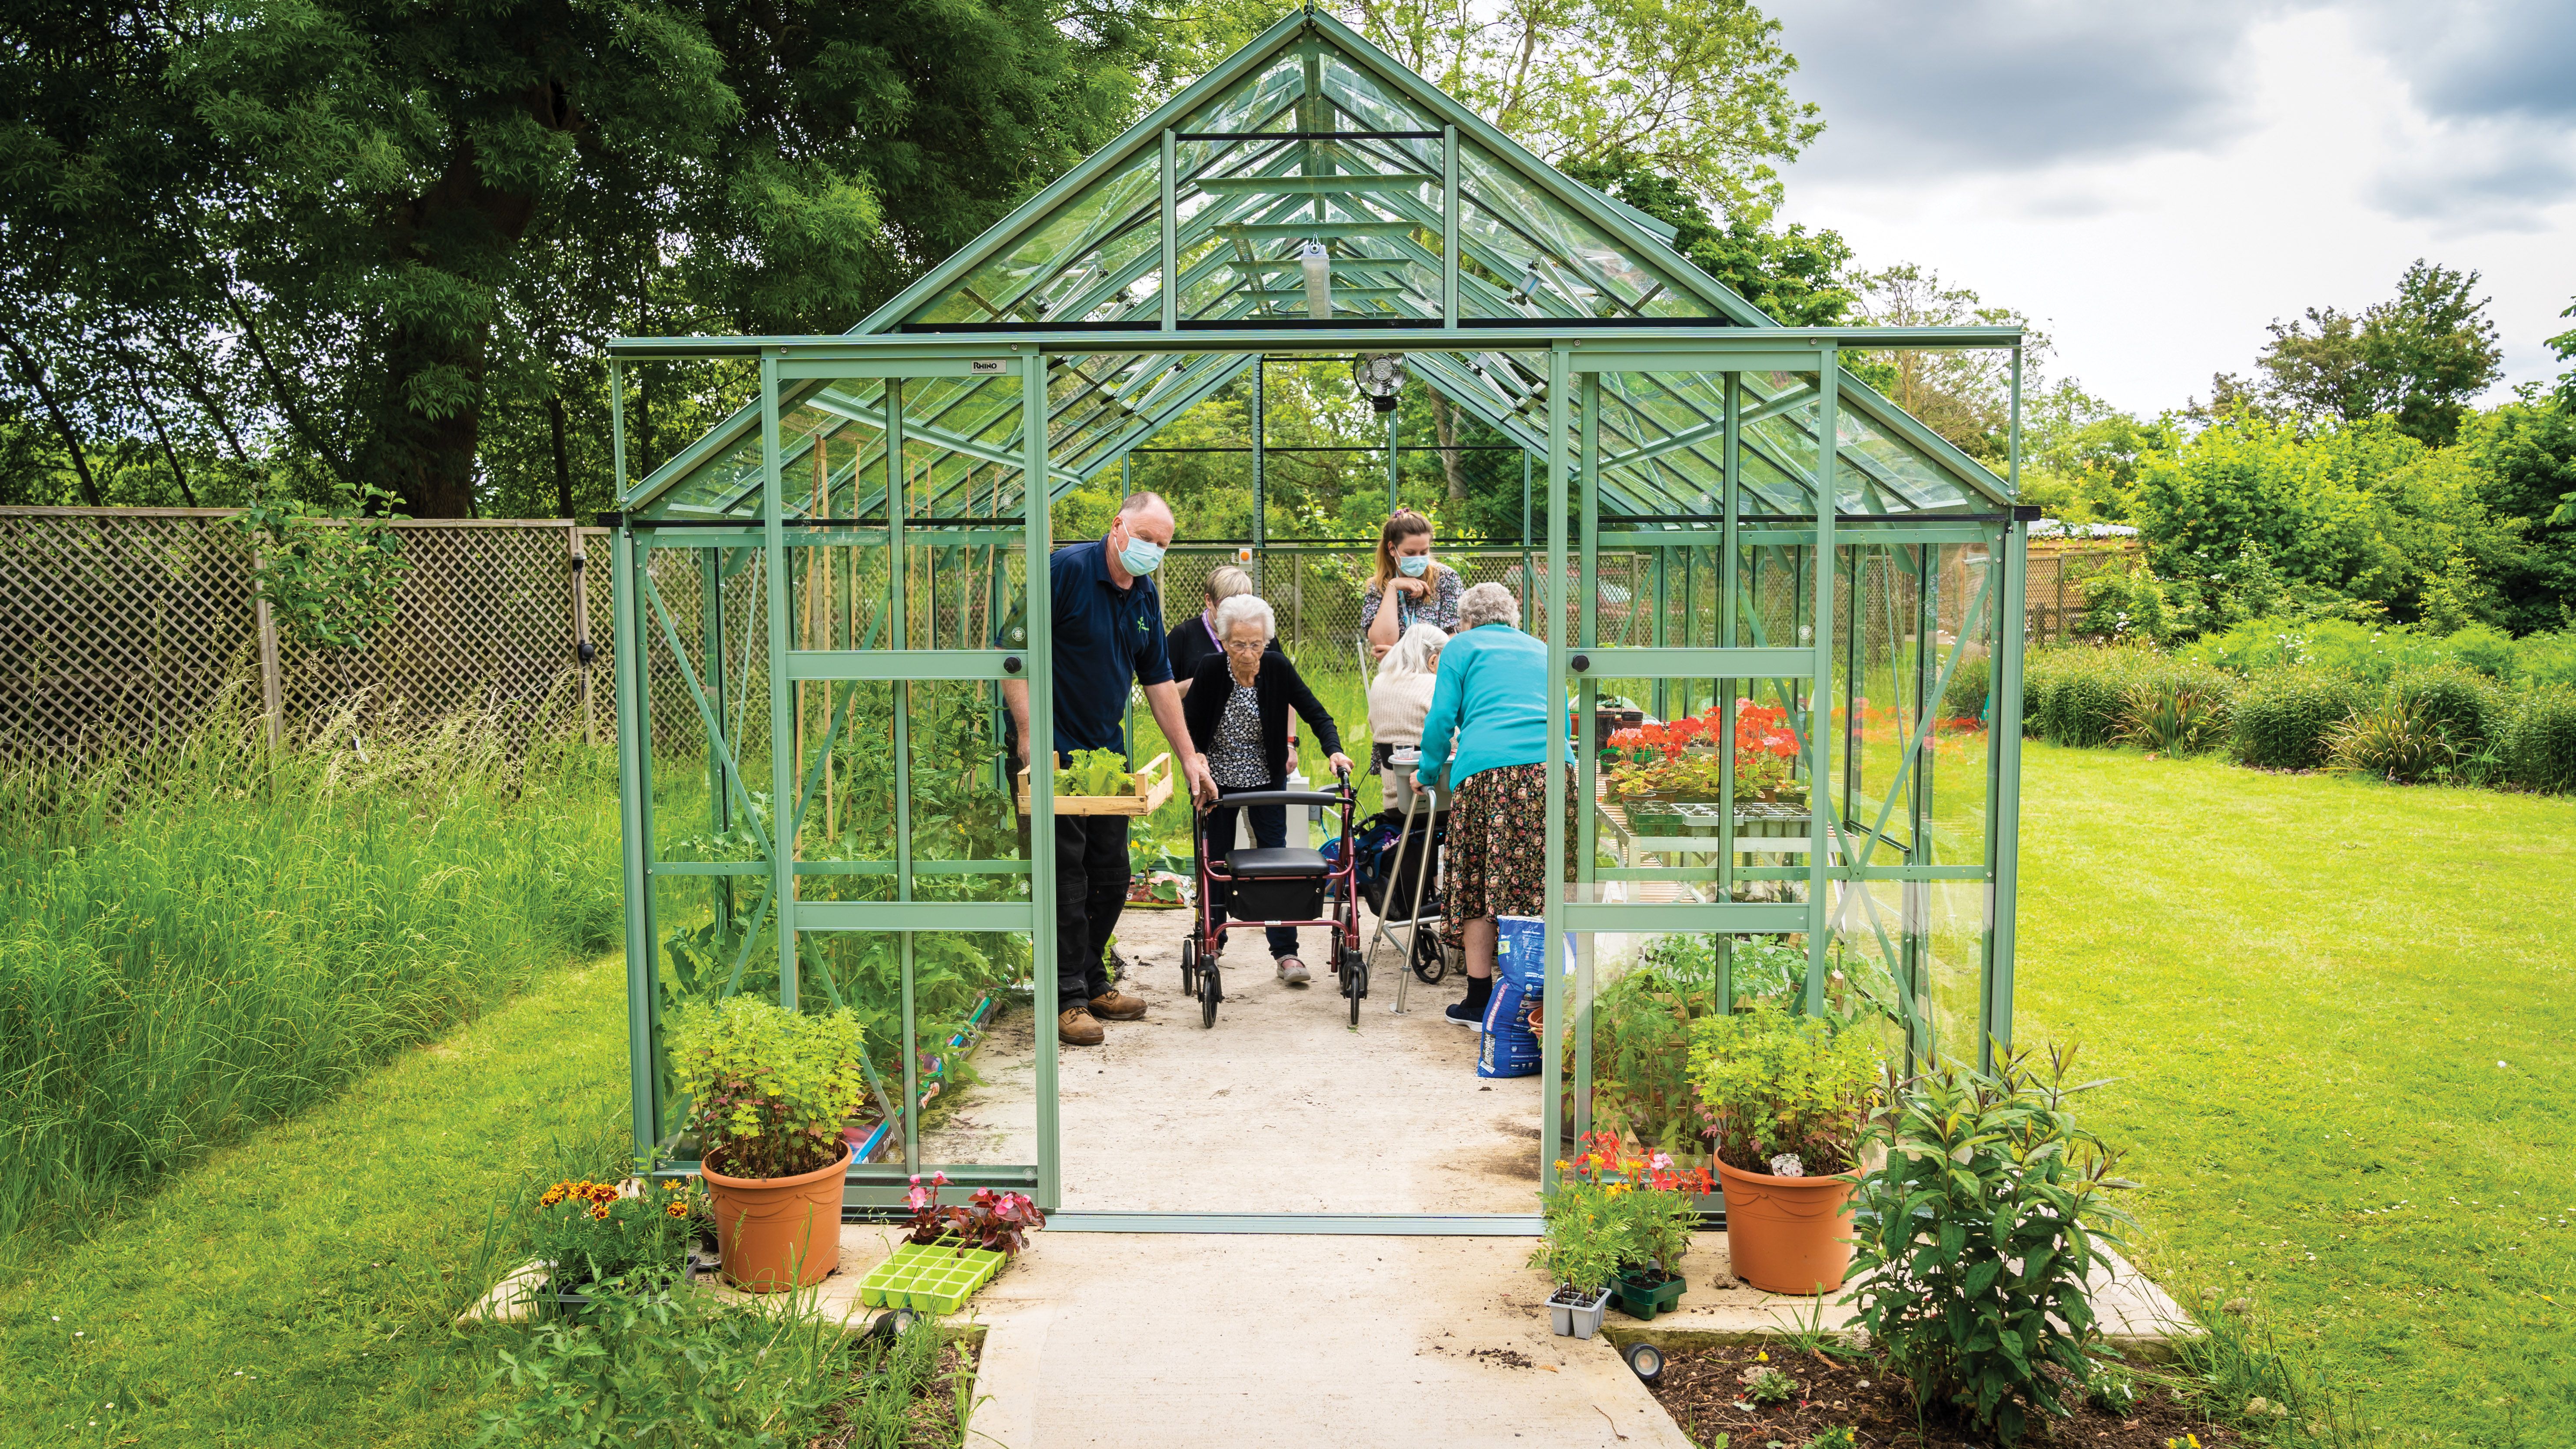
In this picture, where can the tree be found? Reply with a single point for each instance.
(2251, 516)
(1964, 396)
(351, 212)
(2527, 476)
(2419, 357)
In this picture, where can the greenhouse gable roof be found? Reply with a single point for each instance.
(1310, 180)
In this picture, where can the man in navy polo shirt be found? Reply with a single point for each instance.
(1108, 631)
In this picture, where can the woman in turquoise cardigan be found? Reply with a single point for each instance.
(1492, 696)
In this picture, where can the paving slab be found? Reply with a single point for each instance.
(2135, 1314)
(1151, 1340)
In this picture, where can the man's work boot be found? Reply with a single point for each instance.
(1118, 1006)
(1076, 1027)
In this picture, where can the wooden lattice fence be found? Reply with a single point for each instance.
(128, 625)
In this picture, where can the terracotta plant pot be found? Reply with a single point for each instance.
(779, 1232)
(1787, 1234)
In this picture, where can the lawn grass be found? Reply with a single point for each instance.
(298, 1288)
(2343, 1016)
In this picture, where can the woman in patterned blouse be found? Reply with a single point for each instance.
(1409, 586)
(1237, 713)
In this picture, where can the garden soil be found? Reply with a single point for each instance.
(1704, 1390)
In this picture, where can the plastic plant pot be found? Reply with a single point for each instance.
(1642, 1294)
(1573, 1316)
(929, 1277)
(779, 1233)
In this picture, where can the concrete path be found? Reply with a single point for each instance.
(1282, 1106)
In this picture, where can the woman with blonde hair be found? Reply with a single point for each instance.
(1399, 698)
(1408, 586)
(1194, 642)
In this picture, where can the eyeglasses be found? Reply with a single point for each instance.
(1246, 646)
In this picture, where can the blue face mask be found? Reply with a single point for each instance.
(1413, 565)
(1141, 556)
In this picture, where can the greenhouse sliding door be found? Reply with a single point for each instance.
(841, 830)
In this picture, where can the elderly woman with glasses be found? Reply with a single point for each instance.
(1491, 696)
(1237, 714)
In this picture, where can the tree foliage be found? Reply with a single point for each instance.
(349, 235)
(1696, 90)
(2421, 357)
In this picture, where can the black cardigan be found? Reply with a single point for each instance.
(1275, 688)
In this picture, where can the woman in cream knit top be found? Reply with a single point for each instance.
(1400, 697)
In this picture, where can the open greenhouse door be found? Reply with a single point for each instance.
(856, 844)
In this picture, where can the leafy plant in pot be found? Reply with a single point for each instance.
(1654, 1212)
(603, 1237)
(768, 1090)
(1785, 1097)
(1585, 1241)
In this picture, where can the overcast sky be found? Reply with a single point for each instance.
(2153, 182)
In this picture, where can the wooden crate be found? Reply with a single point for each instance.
(1153, 787)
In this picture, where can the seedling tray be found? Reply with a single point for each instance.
(1153, 786)
(929, 1277)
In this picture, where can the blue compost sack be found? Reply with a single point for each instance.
(1508, 1047)
(1519, 943)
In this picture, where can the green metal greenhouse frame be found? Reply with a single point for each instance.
(1308, 197)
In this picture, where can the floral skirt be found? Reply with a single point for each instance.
(1496, 860)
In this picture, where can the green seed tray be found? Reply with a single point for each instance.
(929, 1277)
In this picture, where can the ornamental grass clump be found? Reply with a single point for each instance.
(2176, 709)
(769, 1088)
(1976, 1236)
(2395, 739)
(1781, 1091)
(2285, 718)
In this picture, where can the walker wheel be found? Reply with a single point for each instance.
(1354, 980)
(1190, 966)
(1211, 991)
(1430, 962)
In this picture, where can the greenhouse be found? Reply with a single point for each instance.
(819, 601)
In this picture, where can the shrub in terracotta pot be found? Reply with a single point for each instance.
(1785, 1097)
(768, 1091)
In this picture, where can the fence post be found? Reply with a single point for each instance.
(272, 688)
(581, 651)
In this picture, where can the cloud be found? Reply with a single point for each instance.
(2014, 85)
(2493, 143)
(2482, 59)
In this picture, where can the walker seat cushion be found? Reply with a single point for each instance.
(1280, 864)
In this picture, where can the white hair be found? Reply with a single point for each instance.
(1488, 603)
(1245, 609)
(1418, 652)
